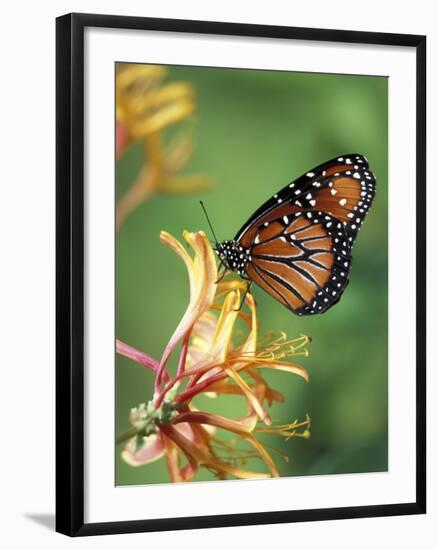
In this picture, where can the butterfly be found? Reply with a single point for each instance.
(297, 246)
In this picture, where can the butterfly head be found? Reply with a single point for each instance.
(233, 256)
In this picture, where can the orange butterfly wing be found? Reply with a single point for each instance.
(343, 187)
(303, 264)
(300, 240)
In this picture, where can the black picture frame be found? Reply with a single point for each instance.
(70, 273)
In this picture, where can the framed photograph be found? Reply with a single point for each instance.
(240, 274)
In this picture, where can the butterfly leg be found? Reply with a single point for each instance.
(222, 275)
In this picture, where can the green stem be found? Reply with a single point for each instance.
(126, 435)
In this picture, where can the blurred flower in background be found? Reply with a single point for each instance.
(214, 360)
(146, 106)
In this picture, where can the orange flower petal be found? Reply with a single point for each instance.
(283, 366)
(253, 400)
(264, 454)
(172, 459)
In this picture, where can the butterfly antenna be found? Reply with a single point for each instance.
(209, 222)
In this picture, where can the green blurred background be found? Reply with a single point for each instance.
(255, 132)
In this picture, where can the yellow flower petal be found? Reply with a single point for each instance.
(185, 184)
(283, 366)
(250, 345)
(173, 243)
(163, 117)
(202, 272)
(253, 400)
(225, 326)
(179, 151)
(129, 74)
(201, 338)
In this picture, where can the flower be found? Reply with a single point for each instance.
(211, 363)
(145, 108)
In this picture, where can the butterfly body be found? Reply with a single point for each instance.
(297, 245)
(234, 256)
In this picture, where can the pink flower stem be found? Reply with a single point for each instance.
(167, 388)
(180, 371)
(126, 435)
(139, 357)
(161, 369)
(180, 441)
(168, 351)
(183, 356)
(194, 379)
(189, 393)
